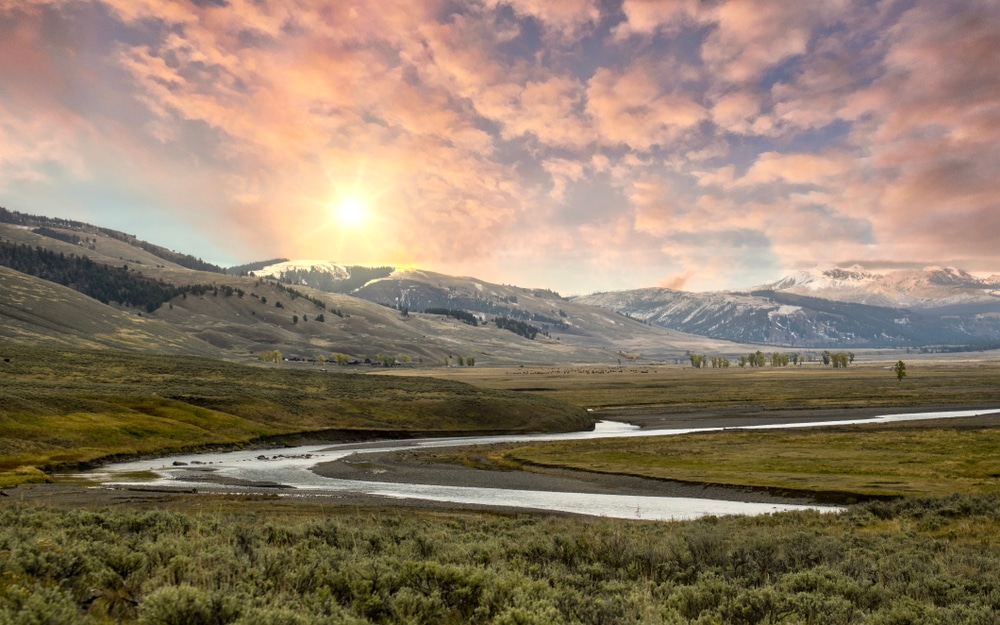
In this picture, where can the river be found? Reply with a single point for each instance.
(288, 472)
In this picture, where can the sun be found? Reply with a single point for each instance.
(351, 211)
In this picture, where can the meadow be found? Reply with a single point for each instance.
(245, 560)
(65, 408)
(841, 464)
(185, 559)
(668, 389)
(833, 464)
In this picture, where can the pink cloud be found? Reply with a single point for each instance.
(565, 17)
(631, 108)
(467, 133)
(648, 16)
(796, 169)
(676, 281)
(752, 35)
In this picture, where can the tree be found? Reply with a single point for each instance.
(759, 358)
(272, 356)
(470, 361)
(840, 360)
(900, 370)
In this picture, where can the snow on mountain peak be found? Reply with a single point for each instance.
(901, 288)
(337, 271)
(818, 279)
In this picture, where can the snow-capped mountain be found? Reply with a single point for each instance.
(323, 275)
(334, 270)
(829, 307)
(933, 287)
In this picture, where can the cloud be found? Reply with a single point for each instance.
(631, 108)
(566, 17)
(726, 138)
(795, 169)
(751, 36)
(676, 281)
(650, 16)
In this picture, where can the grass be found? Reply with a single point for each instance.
(65, 407)
(673, 389)
(244, 560)
(836, 463)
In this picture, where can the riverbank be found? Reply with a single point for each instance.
(446, 467)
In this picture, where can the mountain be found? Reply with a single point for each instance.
(830, 308)
(932, 287)
(559, 321)
(70, 283)
(323, 275)
(116, 290)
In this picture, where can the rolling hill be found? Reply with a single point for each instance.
(167, 301)
(207, 311)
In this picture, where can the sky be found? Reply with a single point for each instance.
(577, 145)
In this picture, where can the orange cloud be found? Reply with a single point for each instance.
(670, 137)
(676, 281)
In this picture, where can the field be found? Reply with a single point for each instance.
(665, 390)
(836, 464)
(211, 559)
(61, 408)
(832, 464)
(248, 560)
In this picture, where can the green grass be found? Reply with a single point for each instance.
(249, 560)
(64, 407)
(668, 389)
(957, 456)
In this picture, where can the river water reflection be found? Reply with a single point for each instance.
(288, 471)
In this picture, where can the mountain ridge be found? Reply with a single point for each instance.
(242, 316)
(308, 308)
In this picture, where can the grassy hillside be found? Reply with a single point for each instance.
(71, 406)
(250, 322)
(39, 312)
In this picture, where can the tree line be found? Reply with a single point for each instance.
(774, 359)
(47, 223)
(105, 283)
(461, 315)
(101, 282)
(521, 328)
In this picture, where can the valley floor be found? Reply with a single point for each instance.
(430, 467)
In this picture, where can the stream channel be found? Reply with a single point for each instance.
(289, 471)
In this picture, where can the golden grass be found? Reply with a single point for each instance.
(671, 389)
(865, 461)
(64, 407)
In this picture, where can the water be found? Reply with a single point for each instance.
(290, 469)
